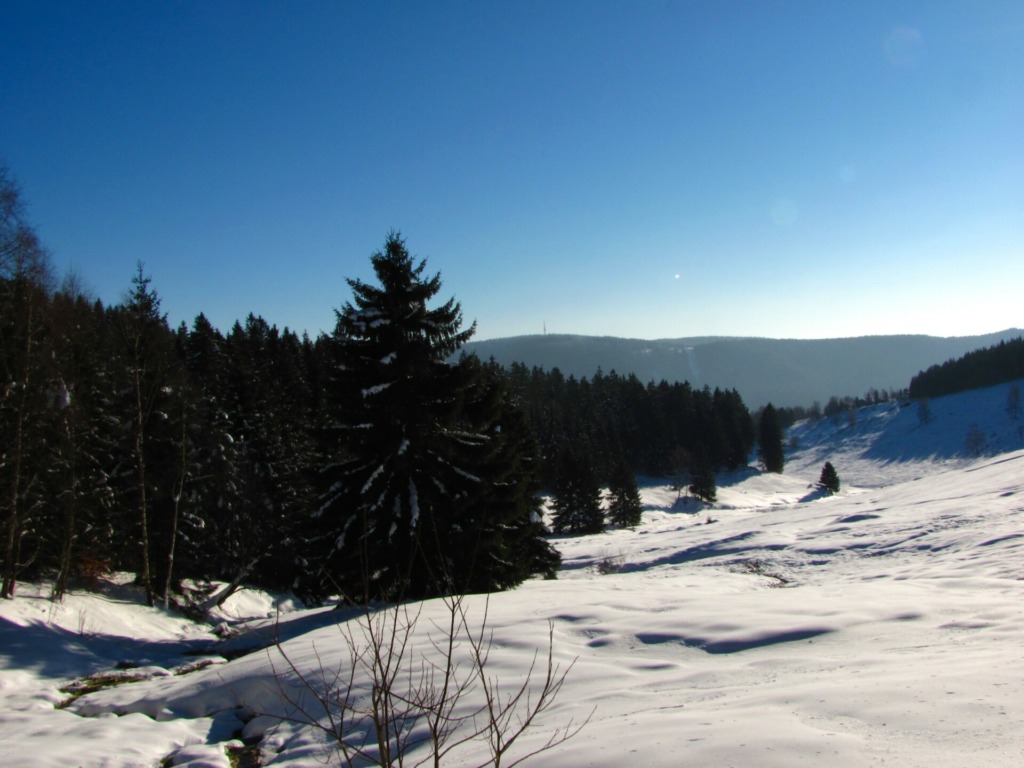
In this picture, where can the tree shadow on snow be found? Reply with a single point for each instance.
(731, 545)
(735, 645)
(54, 652)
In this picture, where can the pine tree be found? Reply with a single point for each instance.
(577, 497)
(82, 451)
(829, 479)
(148, 357)
(770, 449)
(24, 376)
(624, 506)
(218, 487)
(702, 484)
(272, 449)
(403, 476)
(181, 469)
(500, 539)
(737, 426)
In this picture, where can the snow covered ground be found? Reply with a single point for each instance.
(880, 627)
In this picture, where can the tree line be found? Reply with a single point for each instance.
(986, 367)
(657, 429)
(375, 461)
(364, 462)
(603, 431)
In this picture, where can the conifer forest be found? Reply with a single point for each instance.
(374, 461)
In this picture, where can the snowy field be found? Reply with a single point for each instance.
(883, 626)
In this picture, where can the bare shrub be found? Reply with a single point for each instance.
(392, 697)
(92, 570)
(609, 564)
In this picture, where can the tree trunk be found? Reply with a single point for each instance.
(60, 584)
(140, 478)
(218, 598)
(11, 549)
(14, 522)
(175, 514)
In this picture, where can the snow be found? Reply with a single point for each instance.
(376, 389)
(414, 504)
(372, 478)
(880, 626)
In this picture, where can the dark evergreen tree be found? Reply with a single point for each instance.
(829, 479)
(624, 506)
(82, 451)
(218, 509)
(273, 452)
(408, 481)
(577, 496)
(180, 464)
(770, 450)
(148, 357)
(500, 539)
(733, 418)
(703, 484)
(25, 373)
(25, 418)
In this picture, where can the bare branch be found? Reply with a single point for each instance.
(405, 688)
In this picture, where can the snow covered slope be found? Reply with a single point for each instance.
(881, 626)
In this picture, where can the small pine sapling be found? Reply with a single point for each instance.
(829, 479)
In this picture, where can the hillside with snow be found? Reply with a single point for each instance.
(778, 627)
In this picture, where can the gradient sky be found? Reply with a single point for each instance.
(646, 169)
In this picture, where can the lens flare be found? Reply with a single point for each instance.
(904, 46)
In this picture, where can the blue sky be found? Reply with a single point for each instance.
(645, 169)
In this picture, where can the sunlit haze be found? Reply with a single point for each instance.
(641, 169)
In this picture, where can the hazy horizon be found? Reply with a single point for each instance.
(688, 337)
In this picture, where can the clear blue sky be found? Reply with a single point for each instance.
(647, 169)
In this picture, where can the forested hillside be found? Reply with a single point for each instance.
(980, 368)
(379, 460)
(786, 372)
(190, 453)
(362, 461)
(365, 460)
(655, 428)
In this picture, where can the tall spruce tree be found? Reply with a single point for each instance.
(625, 509)
(211, 522)
(25, 372)
(256, 451)
(702, 483)
(147, 353)
(577, 498)
(405, 487)
(500, 539)
(82, 449)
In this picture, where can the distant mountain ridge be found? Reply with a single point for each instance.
(786, 372)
